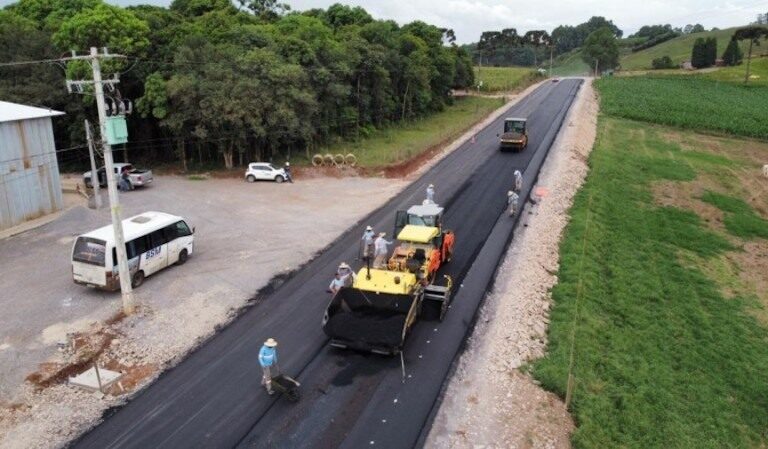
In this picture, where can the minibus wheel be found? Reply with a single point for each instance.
(138, 279)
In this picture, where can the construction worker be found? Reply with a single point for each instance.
(430, 194)
(512, 201)
(381, 249)
(518, 181)
(336, 284)
(287, 170)
(268, 362)
(346, 273)
(367, 242)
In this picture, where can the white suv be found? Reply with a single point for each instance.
(263, 171)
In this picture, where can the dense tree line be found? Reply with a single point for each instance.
(217, 82)
(507, 47)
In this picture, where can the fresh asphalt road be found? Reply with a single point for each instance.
(214, 398)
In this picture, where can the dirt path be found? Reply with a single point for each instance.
(507, 409)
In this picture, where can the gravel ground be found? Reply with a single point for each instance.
(246, 234)
(489, 402)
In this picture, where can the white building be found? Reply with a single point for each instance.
(30, 186)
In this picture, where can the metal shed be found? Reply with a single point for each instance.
(30, 186)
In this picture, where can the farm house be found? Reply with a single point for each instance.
(29, 172)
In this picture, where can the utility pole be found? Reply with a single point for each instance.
(551, 54)
(117, 225)
(595, 68)
(94, 174)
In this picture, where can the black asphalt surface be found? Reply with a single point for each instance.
(213, 399)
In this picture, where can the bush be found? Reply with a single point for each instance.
(665, 62)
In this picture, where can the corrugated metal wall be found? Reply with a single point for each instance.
(30, 186)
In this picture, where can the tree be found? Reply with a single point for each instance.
(536, 39)
(565, 38)
(711, 46)
(699, 53)
(339, 15)
(103, 26)
(753, 35)
(595, 23)
(49, 14)
(733, 54)
(601, 48)
(267, 10)
(196, 8)
(698, 28)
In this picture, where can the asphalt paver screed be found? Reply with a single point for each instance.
(214, 397)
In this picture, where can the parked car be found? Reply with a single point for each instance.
(262, 171)
(139, 177)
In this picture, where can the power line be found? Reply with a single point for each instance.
(30, 62)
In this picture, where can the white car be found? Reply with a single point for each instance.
(262, 171)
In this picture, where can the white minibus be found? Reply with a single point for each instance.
(154, 240)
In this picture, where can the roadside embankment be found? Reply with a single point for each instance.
(490, 401)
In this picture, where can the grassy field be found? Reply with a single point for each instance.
(660, 307)
(679, 49)
(570, 64)
(399, 143)
(758, 70)
(499, 79)
(688, 102)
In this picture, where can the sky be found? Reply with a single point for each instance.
(469, 18)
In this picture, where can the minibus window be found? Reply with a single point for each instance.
(89, 250)
(182, 229)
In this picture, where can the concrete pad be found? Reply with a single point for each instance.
(88, 380)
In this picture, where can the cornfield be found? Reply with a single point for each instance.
(688, 102)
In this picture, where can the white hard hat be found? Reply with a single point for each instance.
(382, 234)
(343, 265)
(510, 193)
(368, 228)
(270, 343)
(431, 185)
(287, 164)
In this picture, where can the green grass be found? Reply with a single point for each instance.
(758, 71)
(500, 79)
(661, 359)
(570, 64)
(740, 220)
(679, 49)
(688, 102)
(402, 142)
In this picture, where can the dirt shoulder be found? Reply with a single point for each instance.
(490, 401)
